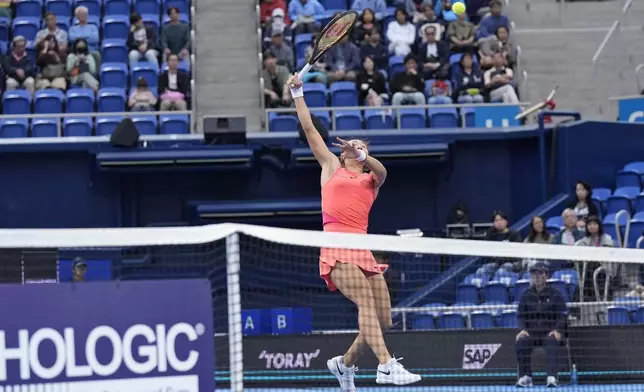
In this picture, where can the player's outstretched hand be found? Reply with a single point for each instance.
(294, 82)
(350, 151)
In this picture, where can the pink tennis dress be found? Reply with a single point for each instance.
(346, 201)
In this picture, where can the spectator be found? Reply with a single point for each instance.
(502, 233)
(365, 25)
(174, 85)
(401, 34)
(175, 36)
(428, 15)
(440, 94)
(51, 28)
(378, 6)
(318, 70)
(303, 13)
(375, 49)
(637, 292)
(434, 54)
(542, 319)
(570, 233)
(371, 84)
(446, 12)
(267, 11)
(142, 99)
(5, 9)
(343, 61)
(282, 51)
(583, 205)
(278, 24)
(494, 44)
(468, 81)
(81, 67)
(52, 68)
(538, 233)
(276, 93)
(79, 269)
(489, 24)
(498, 81)
(18, 67)
(461, 35)
(142, 42)
(595, 236)
(407, 87)
(84, 30)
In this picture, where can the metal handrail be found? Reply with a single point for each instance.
(637, 77)
(598, 296)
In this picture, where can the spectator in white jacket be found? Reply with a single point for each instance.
(401, 34)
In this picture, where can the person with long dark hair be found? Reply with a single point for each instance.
(583, 204)
(538, 233)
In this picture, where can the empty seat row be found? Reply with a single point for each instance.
(479, 319)
(621, 315)
(35, 8)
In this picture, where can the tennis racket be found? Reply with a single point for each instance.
(332, 33)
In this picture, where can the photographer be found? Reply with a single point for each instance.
(81, 66)
(142, 42)
(52, 68)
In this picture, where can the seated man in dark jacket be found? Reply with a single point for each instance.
(542, 320)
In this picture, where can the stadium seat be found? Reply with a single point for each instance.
(182, 5)
(508, 319)
(496, 292)
(174, 124)
(621, 199)
(570, 277)
(315, 95)
(334, 4)
(554, 224)
(442, 117)
(111, 100)
(378, 119)
(146, 124)
(413, 118)
(451, 320)
(29, 9)
(16, 127)
(59, 7)
(44, 127)
(302, 41)
(422, 322)
(348, 120)
(147, 71)
(482, 319)
(16, 102)
(611, 229)
(107, 125)
(152, 21)
(561, 286)
(638, 317)
(601, 194)
(520, 287)
(48, 101)
(618, 315)
(80, 100)
(343, 94)
(114, 51)
(77, 126)
(26, 26)
(396, 65)
(114, 75)
(467, 292)
(282, 123)
(117, 7)
(506, 277)
(630, 303)
(468, 114)
(4, 32)
(628, 178)
(147, 6)
(324, 117)
(116, 27)
(635, 232)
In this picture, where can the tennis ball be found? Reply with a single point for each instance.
(458, 8)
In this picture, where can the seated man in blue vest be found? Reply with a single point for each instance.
(542, 320)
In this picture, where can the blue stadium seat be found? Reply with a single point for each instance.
(348, 120)
(562, 287)
(451, 320)
(16, 102)
(4, 32)
(147, 6)
(468, 114)
(93, 6)
(114, 51)
(59, 7)
(508, 319)
(302, 41)
(630, 303)
(80, 100)
(282, 123)
(324, 117)
(496, 292)
(184, 65)
(182, 5)
(621, 199)
(628, 178)
(413, 118)
(555, 223)
(114, 75)
(638, 203)
(506, 277)
(107, 125)
(422, 322)
(467, 292)
(334, 4)
(638, 317)
(635, 232)
(152, 20)
(478, 280)
(44, 127)
(343, 94)
(570, 277)
(601, 194)
(520, 287)
(117, 7)
(26, 26)
(16, 127)
(61, 23)
(315, 95)
(48, 101)
(174, 124)
(148, 71)
(442, 117)
(111, 100)
(378, 119)
(609, 225)
(482, 319)
(635, 166)
(29, 8)
(116, 26)
(396, 65)
(77, 126)
(618, 315)
(147, 125)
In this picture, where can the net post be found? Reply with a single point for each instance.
(234, 314)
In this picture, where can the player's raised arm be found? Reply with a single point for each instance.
(316, 143)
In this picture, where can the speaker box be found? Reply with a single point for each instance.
(224, 129)
(125, 135)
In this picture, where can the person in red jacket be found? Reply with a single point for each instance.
(266, 10)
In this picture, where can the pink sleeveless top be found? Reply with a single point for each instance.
(347, 198)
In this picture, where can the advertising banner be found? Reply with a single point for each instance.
(496, 116)
(631, 109)
(107, 336)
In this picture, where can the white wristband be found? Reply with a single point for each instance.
(362, 157)
(297, 92)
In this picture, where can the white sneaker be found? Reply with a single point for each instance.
(394, 373)
(524, 382)
(551, 382)
(343, 373)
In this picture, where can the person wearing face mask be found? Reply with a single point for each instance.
(18, 67)
(81, 67)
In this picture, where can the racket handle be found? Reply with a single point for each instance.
(304, 71)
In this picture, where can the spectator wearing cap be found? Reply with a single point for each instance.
(142, 99)
(303, 13)
(500, 232)
(379, 7)
(52, 28)
(267, 11)
(282, 51)
(79, 269)
(141, 41)
(175, 36)
(407, 87)
(434, 55)
(19, 67)
(343, 61)
(542, 320)
(83, 29)
(490, 23)
(278, 24)
(276, 92)
(401, 34)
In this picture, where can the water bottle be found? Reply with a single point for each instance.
(573, 375)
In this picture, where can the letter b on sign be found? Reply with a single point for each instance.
(291, 321)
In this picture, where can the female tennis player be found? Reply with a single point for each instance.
(348, 193)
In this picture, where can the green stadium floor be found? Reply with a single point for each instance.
(477, 388)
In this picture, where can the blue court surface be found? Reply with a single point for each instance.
(477, 388)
